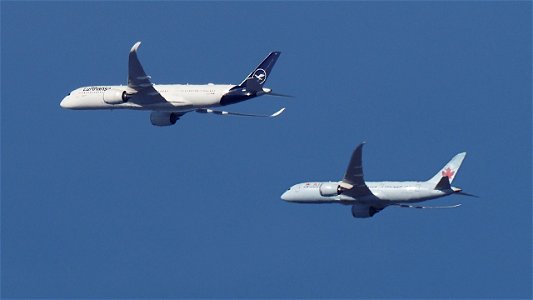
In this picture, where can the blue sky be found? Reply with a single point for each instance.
(100, 204)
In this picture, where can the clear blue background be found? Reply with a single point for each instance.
(103, 204)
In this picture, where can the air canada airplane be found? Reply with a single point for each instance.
(169, 102)
(368, 198)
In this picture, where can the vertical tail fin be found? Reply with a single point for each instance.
(254, 82)
(449, 170)
(443, 184)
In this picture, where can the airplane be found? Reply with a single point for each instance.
(369, 198)
(169, 102)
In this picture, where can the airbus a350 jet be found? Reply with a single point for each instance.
(368, 198)
(168, 102)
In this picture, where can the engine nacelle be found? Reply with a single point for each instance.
(161, 118)
(113, 96)
(329, 189)
(363, 211)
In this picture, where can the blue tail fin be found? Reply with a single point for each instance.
(254, 82)
(252, 85)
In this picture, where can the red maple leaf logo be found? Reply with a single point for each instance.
(448, 173)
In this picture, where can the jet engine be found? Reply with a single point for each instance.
(113, 96)
(363, 211)
(161, 118)
(329, 189)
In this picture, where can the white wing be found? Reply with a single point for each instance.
(139, 81)
(353, 183)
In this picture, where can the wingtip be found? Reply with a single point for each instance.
(135, 46)
(279, 112)
(359, 148)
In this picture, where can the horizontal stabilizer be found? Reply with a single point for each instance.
(466, 194)
(221, 112)
(279, 95)
(422, 207)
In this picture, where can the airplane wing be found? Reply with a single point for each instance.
(353, 184)
(167, 118)
(139, 81)
(423, 207)
(222, 112)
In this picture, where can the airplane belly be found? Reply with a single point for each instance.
(396, 195)
(174, 102)
(171, 106)
(205, 100)
(407, 195)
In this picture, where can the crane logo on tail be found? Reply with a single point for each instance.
(448, 173)
(260, 75)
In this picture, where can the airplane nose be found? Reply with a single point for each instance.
(285, 196)
(66, 102)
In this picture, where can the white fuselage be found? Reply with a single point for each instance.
(384, 191)
(179, 97)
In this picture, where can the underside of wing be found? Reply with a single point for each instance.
(424, 207)
(140, 82)
(353, 183)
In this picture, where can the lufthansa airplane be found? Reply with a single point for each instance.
(168, 102)
(368, 198)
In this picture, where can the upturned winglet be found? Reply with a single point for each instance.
(135, 46)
